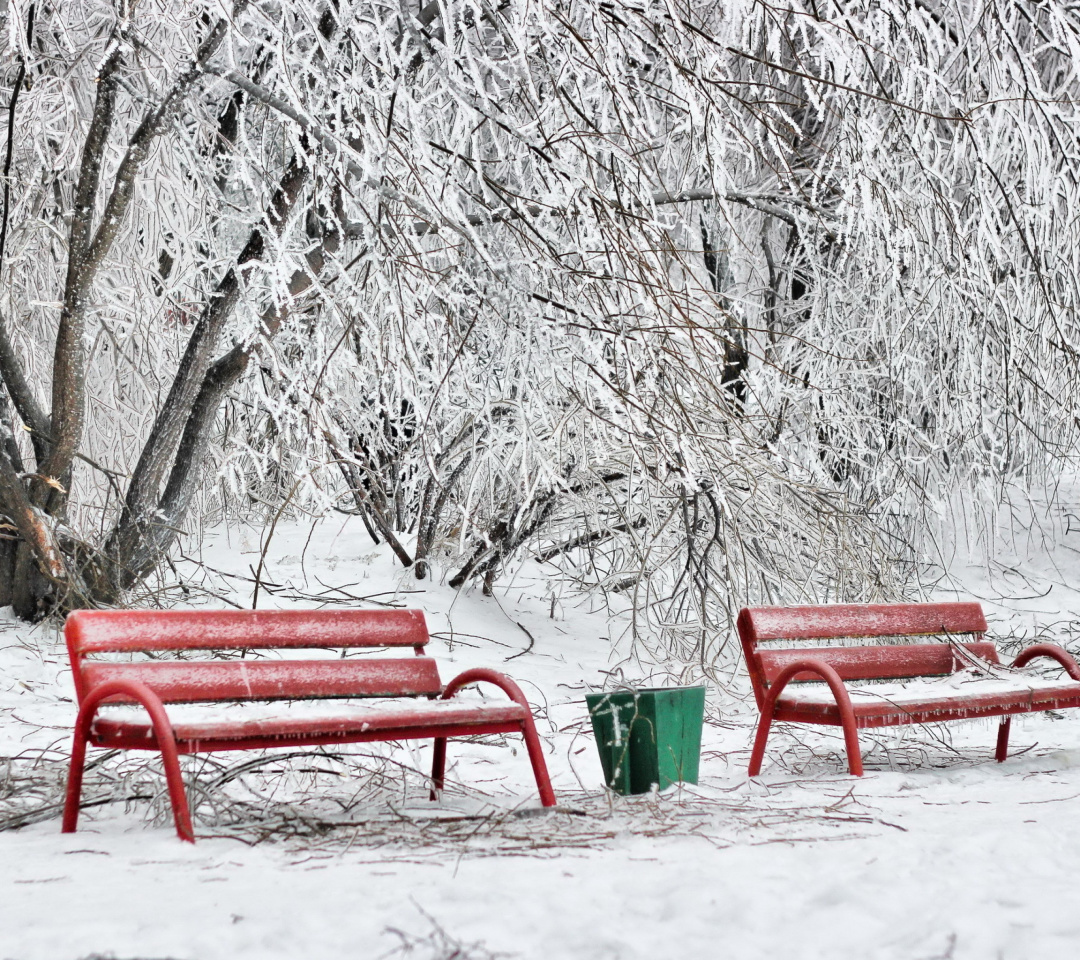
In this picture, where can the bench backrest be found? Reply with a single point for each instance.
(92, 633)
(895, 626)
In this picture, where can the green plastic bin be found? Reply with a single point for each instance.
(650, 736)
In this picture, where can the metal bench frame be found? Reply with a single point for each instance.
(771, 671)
(153, 683)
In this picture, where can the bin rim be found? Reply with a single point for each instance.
(637, 690)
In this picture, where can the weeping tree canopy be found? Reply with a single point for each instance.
(705, 303)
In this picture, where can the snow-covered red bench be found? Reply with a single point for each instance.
(116, 658)
(915, 681)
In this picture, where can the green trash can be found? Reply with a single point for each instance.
(648, 736)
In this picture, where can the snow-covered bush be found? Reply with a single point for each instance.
(707, 303)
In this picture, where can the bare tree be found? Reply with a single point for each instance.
(704, 305)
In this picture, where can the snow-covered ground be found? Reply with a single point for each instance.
(936, 852)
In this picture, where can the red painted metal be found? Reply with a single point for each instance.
(880, 712)
(380, 723)
(532, 740)
(154, 683)
(771, 671)
(191, 681)
(880, 662)
(819, 669)
(1002, 749)
(98, 631)
(1054, 652)
(838, 620)
(164, 741)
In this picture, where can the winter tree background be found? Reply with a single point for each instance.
(706, 304)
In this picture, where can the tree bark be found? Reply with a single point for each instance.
(86, 251)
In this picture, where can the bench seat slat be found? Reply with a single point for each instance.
(928, 706)
(193, 681)
(102, 631)
(880, 662)
(835, 621)
(413, 720)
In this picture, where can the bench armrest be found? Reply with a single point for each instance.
(1054, 652)
(166, 743)
(827, 672)
(810, 665)
(136, 690)
(484, 675)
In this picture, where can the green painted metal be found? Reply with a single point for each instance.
(650, 736)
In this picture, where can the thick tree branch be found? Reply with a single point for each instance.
(22, 394)
(85, 255)
(11, 368)
(157, 457)
(69, 375)
(32, 524)
(148, 526)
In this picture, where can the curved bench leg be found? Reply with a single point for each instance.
(173, 779)
(758, 753)
(163, 733)
(1003, 740)
(539, 765)
(536, 758)
(851, 743)
(74, 784)
(177, 794)
(438, 767)
(528, 730)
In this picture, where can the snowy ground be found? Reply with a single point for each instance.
(936, 852)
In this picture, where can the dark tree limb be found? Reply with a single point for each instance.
(33, 525)
(177, 446)
(87, 249)
(363, 502)
(69, 374)
(22, 394)
(160, 450)
(141, 539)
(431, 512)
(584, 539)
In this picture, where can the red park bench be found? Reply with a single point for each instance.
(95, 639)
(827, 678)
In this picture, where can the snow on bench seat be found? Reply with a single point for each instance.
(200, 728)
(964, 694)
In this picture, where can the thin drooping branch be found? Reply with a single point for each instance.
(770, 205)
(592, 536)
